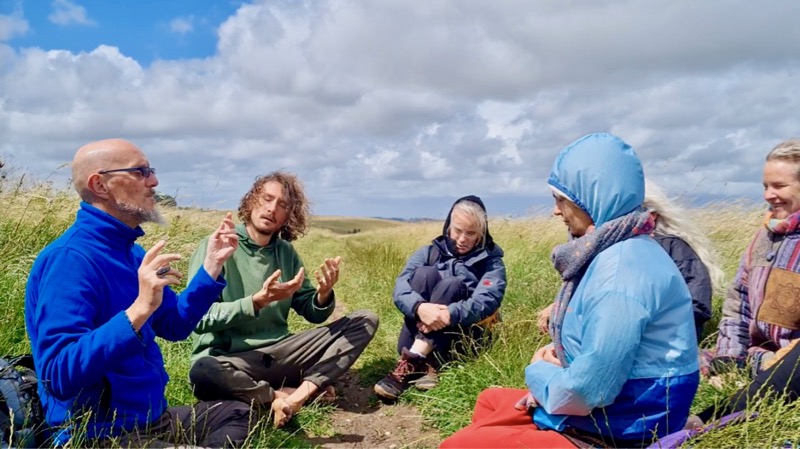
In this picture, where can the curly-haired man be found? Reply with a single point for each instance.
(242, 347)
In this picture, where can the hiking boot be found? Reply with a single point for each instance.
(429, 380)
(408, 368)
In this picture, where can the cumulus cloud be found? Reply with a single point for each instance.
(423, 102)
(66, 13)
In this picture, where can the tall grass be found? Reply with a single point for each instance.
(34, 214)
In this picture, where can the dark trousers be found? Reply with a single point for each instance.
(319, 355)
(205, 424)
(427, 281)
(781, 378)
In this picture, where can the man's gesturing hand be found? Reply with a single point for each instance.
(154, 274)
(327, 276)
(221, 246)
(274, 290)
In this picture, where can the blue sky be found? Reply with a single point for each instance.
(145, 30)
(397, 107)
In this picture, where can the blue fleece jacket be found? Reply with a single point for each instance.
(86, 353)
(628, 332)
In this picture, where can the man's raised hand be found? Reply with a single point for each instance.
(154, 274)
(221, 246)
(327, 276)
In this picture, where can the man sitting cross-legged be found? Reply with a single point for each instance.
(242, 348)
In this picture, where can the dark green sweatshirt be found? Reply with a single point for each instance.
(232, 324)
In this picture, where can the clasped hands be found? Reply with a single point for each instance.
(548, 354)
(274, 290)
(432, 317)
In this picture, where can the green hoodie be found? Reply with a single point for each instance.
(232, 324)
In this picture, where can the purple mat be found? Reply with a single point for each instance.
(675, 440)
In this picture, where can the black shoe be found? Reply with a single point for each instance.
(408, 368)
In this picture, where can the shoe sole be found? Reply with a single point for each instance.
(383, 393)
(424, 387)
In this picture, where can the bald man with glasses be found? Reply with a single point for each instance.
(96, 300)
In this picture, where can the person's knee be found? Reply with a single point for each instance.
(451, 289)
(486, 395)
(424, 278)
(427, 272)
(369, 317)
(205, 371)
(237, 411)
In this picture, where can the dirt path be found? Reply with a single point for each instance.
(361, 421)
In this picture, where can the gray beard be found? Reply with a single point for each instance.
(141, 214)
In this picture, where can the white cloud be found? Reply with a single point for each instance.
(11, 26)
(66, 12)
(431, 100)
(182, 25)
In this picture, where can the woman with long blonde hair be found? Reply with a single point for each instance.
(690, 248)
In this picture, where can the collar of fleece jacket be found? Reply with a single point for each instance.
(601, 174)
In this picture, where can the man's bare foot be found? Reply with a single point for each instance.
(284, 392)
(327, 396)
(281, 412)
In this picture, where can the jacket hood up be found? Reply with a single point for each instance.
(601, 174)
(488, 242)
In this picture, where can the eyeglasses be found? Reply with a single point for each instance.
(144, 171)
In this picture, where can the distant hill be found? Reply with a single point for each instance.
(406, 220)
(352, 225)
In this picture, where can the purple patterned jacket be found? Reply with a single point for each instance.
(761, 313)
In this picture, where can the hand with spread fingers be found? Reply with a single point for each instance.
(154, 273)
(275, 290)
(221, 246)
(327, 276)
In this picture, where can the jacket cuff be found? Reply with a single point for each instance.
(248, 307)
(329, 305)
(537, 376)
(455, 314)
(414, 309)
(758, 359)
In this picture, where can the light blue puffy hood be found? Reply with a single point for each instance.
(601, 174)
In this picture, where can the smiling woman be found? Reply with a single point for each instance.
(761, 314)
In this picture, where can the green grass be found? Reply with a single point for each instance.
(34, 214)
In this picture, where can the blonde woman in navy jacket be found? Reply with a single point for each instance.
(445, 289)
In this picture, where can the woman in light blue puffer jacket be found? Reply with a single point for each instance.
(623, 367)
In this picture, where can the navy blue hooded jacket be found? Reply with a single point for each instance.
(481, 270)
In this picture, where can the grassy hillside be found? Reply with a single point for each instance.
(32, 216)
(351, 225)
